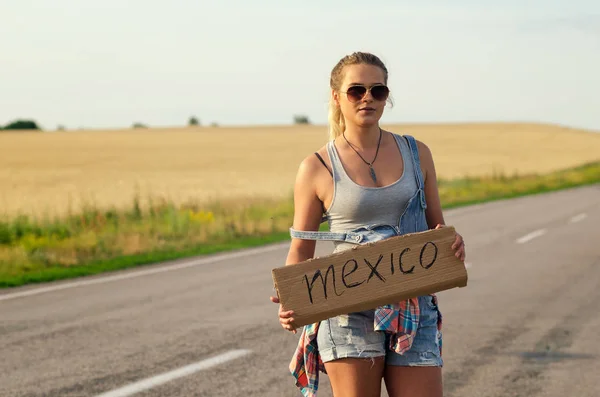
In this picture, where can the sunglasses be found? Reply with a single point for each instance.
(356, 93)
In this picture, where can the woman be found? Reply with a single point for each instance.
(380, 184)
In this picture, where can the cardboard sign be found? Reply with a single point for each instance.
(370, 275)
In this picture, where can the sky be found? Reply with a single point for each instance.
(110, 63)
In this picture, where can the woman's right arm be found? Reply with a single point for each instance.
(308, 210)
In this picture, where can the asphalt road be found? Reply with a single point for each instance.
(528, 323)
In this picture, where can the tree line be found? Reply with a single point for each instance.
(27, 124)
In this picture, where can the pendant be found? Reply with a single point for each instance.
(373, 176)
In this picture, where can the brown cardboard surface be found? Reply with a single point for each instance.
(370, 275)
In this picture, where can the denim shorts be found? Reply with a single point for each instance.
(353, 336)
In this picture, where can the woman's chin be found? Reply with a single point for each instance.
(367, 121)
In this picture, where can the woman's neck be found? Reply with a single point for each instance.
(363, 137)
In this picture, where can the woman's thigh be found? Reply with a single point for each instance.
(413, 381)
(356, 377)
(353, 354)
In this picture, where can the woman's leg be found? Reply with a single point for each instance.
(356, 377)
(353, 354)
(413, 381)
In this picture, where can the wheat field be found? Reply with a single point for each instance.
(53, 172)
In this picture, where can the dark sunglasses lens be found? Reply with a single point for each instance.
(380, 92)
(356, 93)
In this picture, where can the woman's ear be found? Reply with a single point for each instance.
(336, 97)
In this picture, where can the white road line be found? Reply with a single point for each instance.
(578, 218)
(158, 380)
(146, 272)
(531, 236)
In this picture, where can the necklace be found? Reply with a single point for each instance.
(372, 171)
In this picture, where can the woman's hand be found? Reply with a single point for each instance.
(285, 318)
(458, 245)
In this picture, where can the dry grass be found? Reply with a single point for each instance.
(52, 172)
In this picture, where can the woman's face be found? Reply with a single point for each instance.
(359, 107)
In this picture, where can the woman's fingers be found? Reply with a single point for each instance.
(460, 253)
(458, 240)
(285, 317)
(286, 323)
(459, 247)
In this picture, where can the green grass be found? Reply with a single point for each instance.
(97, 241)
(128, 261)
(469, 191)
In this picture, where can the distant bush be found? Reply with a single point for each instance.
(193, 121)
(22, 125)
(301, 119)
(139, 125)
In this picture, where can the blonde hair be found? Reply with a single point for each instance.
(337, 124)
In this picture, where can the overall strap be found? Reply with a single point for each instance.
(329, 236)
(412, 143)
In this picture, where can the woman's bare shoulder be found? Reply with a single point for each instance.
(424, 150)
(311, 165)
(426, 158)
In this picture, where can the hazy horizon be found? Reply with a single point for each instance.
(107, 64)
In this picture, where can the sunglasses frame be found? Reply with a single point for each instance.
(367, 90)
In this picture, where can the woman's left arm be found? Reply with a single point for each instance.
(433, 213)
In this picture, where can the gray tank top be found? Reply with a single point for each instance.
(354, 205)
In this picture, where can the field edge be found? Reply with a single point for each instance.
(152, 258)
